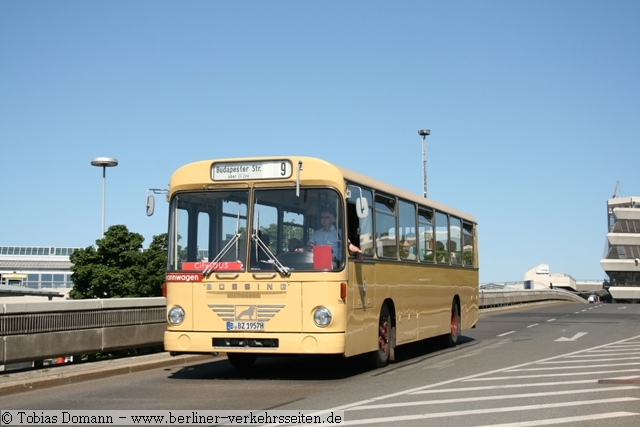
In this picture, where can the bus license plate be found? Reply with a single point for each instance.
(245, 326)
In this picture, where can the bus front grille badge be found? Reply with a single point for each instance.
(246, 312)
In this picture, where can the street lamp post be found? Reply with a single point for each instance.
(424, 133)
(104, 162)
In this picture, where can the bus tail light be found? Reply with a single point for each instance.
(343, 290)
(164, 290)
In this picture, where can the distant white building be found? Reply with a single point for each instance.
(540, 277)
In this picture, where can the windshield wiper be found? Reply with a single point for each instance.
(224, 250)
(222, 253)
(279, 266)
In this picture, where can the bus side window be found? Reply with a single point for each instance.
(386, 235)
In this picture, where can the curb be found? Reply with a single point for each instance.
(57, 379)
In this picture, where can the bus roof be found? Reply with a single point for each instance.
(365, 180)
(348, 174)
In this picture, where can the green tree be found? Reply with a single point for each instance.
(118, 267)
(155, 267)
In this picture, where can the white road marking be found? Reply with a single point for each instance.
(482, 376)
(605, 354)
(594, 358)
(572, 374)
(497, 387)
(386, 420)
(575, 337)
(549, 368)
(565, 420)
(487, 398)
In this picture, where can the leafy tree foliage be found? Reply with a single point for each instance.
(118, 267)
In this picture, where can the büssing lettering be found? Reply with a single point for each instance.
(251, 287)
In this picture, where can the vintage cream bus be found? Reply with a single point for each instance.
(295, 255)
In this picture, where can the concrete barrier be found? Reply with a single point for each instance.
(42, 330)
(501, 298)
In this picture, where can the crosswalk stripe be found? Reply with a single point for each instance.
(486, 398)
(383, 420)
(564, 420)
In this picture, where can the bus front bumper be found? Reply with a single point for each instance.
(283, 343)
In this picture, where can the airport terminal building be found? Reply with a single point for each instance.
(621, 261)
(26, 270)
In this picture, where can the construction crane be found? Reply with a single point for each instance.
(615, 190)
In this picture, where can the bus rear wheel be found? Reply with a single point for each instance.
(382, 355)
(451, 339)
(242, 360)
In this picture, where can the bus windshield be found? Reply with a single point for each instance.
(291, 230)
(206, 225)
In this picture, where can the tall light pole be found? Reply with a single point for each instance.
(424, 133)
(104, 162)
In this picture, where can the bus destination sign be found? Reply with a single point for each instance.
(268, 169)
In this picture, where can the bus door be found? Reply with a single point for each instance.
(363, 313)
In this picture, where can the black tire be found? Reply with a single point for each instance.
(380, 357)
(451, 339)
(242, 360)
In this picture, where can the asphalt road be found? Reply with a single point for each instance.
(558, 363)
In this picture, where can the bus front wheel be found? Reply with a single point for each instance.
(451, 339)
(242, 360)
(382, 355)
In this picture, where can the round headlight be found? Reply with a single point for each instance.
(322, 317)
(175, 316)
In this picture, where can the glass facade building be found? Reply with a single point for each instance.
(36, 267)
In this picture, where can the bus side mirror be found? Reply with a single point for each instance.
(151, 204)
(362, 207)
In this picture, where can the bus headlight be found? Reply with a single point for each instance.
(322, 317)
(175, 316)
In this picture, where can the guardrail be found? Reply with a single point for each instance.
(37, 331)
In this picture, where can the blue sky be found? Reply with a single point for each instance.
(533, 107)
